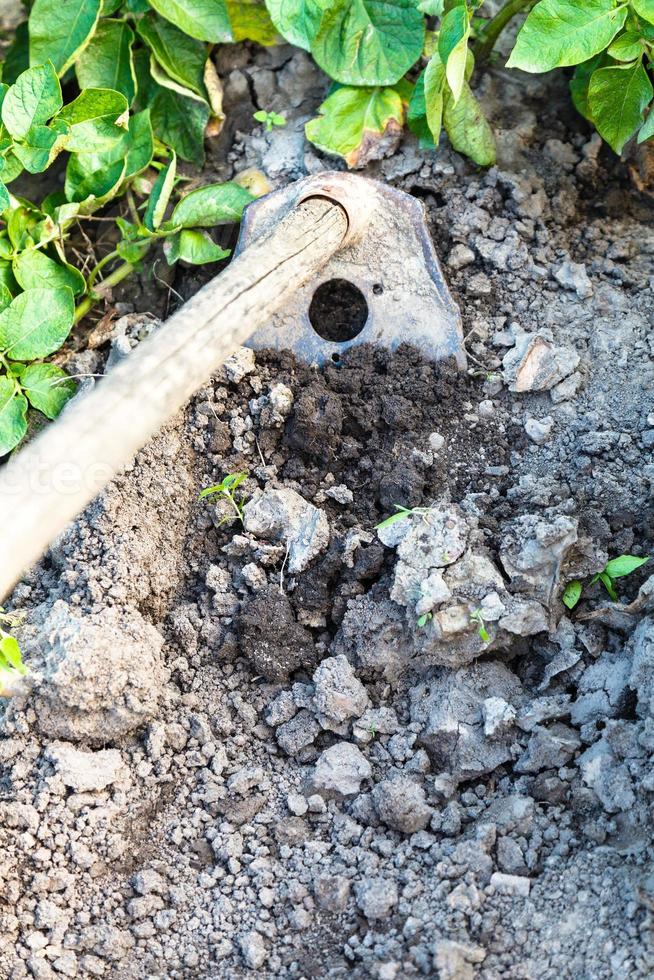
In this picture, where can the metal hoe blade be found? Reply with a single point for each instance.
(392, 262)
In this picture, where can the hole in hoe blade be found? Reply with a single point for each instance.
(338, 310)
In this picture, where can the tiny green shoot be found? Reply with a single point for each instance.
(269, 119)
(226, 490)
(424, 619)
(477, 617)
(400, 513)
(614, 569)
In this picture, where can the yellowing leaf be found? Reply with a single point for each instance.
(251, 21)
(358, 124)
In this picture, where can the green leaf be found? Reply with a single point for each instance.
(95, 119)
(400, 514)
(139, 143)
(34, 270)
(160, 196)
(90, 187)
(581, 80)
(565, 32)
(468, 129)
(369, 42)
(297, 20)
(17, 57)
(354, 120)
(107, 62)
(215, 204)
(624, 565)
(36, 323)
(434, 94)
(60, 29)
(425, 114)
(251, 21)
(179, 55)
(10, 168)
(416, 115)
(644, 9)
(572, 593)
(13, 415)
(42, 145)
(47, 387)
(207, 20)
(4, 198)
(10, 653)
(33, 99)
(627, 47)
(180, 123)
(617, 97)
(134, 252)
(607, 582)
(647, 129)
(6, 296)
(453, 47)
(194, 247)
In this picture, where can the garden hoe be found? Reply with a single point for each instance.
(321, 265)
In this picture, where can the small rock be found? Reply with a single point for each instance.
(510, 857)
(573, 276)
(499, 716)
(298, 733)
(536, 364)
(340, 770)
(283, 515)
(376, 897)
(510, 884)
(549, 748)
(102, 676)
(341, 494)
(297, 804)
(86, 771)
(456, 961)
(331, 892)
(460, 257)
(539, 430)
(253, 949)
(401, 804)
(240, 364)
(339, 694)
(436, 441)
(479, 285)
(281, 399)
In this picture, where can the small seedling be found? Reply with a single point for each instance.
(477, 617)
(226, 489)
(614, 569)
(424, 619)
(400, 513)
(11, 660)
(269, 119)
(372, 731)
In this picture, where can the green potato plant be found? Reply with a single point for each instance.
(226, 490)
(614, 569)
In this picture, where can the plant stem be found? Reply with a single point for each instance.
(93, 274)
(495, 26)
(122, 272)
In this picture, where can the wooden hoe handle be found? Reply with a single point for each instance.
(47, 484)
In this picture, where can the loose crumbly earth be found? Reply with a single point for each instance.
(228, 768)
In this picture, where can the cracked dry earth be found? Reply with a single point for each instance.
(241, 755)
